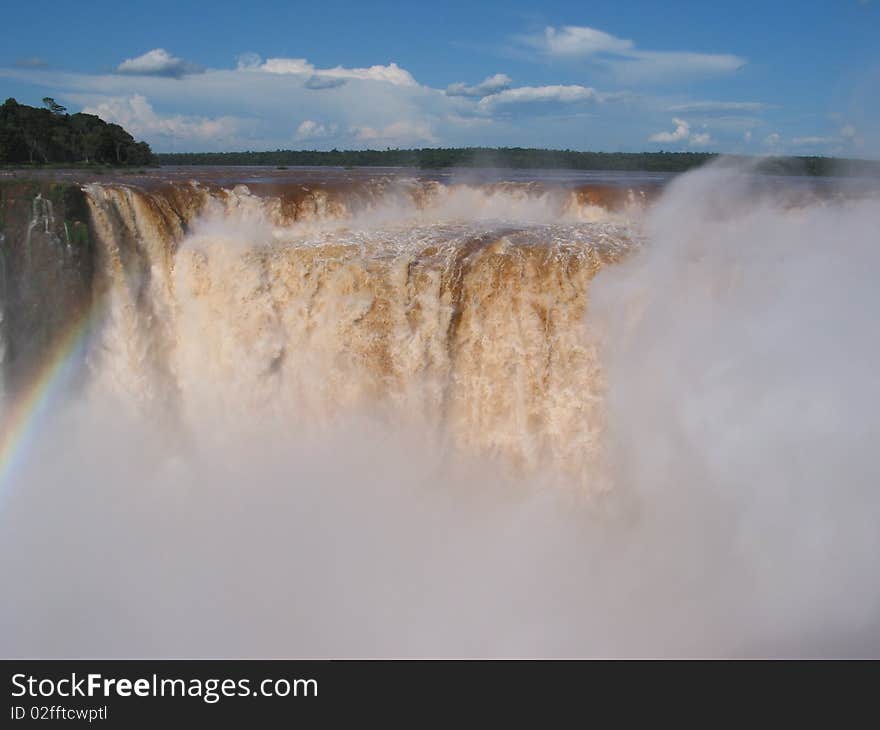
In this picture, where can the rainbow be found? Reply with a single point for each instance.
(26, 409)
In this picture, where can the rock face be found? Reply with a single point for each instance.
(47, 261)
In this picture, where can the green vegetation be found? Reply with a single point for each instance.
(433, 158)
(515, 157)
(32, 136)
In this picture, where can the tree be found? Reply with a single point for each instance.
(50, 135)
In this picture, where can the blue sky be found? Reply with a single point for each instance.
(754, 77)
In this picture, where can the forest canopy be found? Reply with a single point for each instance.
(49, 135)
(517, 157)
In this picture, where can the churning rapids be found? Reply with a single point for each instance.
(322, 414)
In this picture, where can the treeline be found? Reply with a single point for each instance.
(30, 135)
(437, 157)
(516, 157)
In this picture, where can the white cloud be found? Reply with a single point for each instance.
(747, 136)
(397, 133)
(682, 133)
(772, 140)
(138, 117)
(621, 57)
(283, 66)
(310, 129)
(157, 62)
(665, 67)
(392, 73)
(719, 106)
(247, 61)
(488, 86)
(542, 94)
(578, 41)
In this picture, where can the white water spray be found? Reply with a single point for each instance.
(330, 479)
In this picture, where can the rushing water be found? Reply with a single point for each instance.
(346, 412)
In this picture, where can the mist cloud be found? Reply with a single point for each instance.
(733, 512)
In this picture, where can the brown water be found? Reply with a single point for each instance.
(386, 413)
(456, 306)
